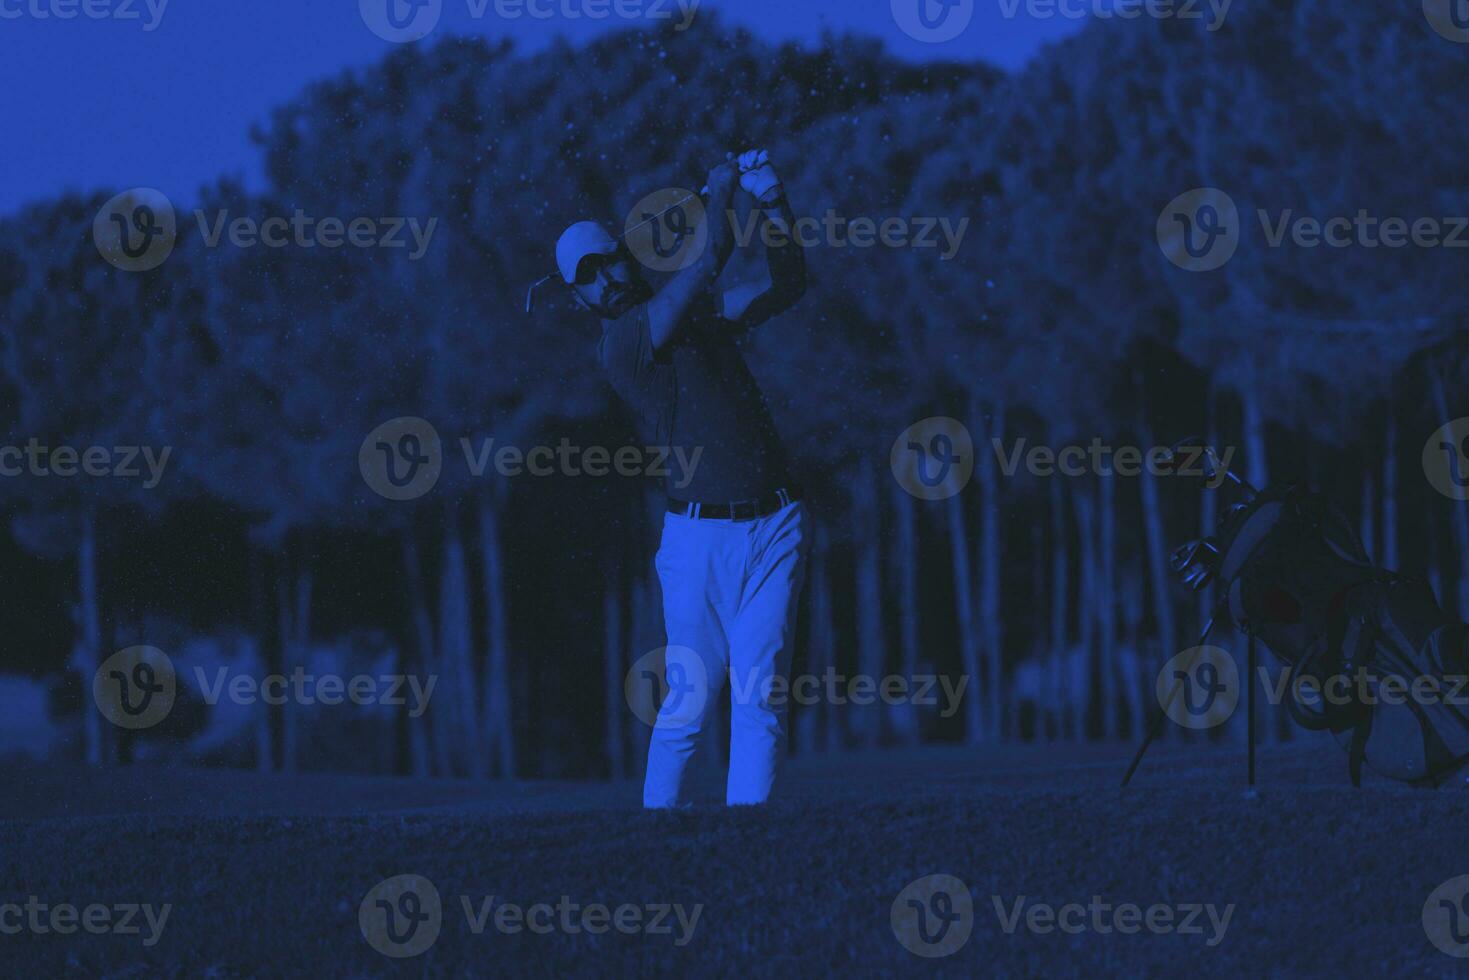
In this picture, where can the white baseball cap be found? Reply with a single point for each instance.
(577, 242)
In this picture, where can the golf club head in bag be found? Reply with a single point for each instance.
(1296, 576)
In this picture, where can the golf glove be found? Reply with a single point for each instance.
(758, 177)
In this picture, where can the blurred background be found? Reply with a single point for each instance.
(255, 375)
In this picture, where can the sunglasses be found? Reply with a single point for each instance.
(589, 268)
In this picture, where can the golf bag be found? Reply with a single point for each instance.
(1370, 655)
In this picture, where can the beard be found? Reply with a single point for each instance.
(619, 298)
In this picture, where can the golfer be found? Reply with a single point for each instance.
(736, 535)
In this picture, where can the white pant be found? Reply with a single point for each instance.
(730, 590)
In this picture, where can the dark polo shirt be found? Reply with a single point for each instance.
(697, 394)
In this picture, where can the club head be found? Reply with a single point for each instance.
(1195, 563)
(530, 294)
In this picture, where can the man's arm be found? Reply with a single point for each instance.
(666, 310)
(751, 305)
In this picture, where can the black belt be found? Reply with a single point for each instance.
(737, 510)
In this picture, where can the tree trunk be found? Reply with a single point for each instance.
(89, 648)
(293, 610)
(871, 640)
(1368, 526)
(974, 730)
(1159, 580)
(1061, 697)
(1107, 603)
(1460, 512)
(613, 672)
(1086, 534)
(1208, 527)
(1272, 719)
(427, 743)
(259, 616)
(992, 544)
(1039, 646)
(455, 643)
(905, 716)
(499, 721)
(1390, 494)
(813, 721)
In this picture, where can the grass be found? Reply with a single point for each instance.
(265, 874)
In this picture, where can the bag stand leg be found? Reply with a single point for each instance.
(1156, 726)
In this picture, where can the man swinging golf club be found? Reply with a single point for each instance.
(736, 535)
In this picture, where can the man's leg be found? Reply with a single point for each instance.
(760, 642)
(696, 593)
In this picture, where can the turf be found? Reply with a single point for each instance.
(265, 874)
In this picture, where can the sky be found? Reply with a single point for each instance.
(110, 94)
